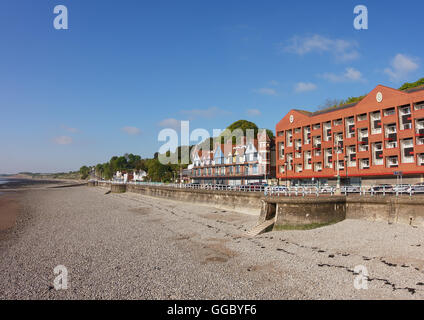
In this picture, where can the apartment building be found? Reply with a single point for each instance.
(377, 140)
(250, 161)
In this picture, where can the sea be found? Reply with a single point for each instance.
(3, 181)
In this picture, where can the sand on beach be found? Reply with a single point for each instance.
(129, 246)
(9, 209)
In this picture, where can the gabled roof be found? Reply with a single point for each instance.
(368, 96)
(331, 109)
(420, 88)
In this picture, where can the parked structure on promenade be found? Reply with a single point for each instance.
(377, 140)
(250, 161)
(136, 175)
(139, 175)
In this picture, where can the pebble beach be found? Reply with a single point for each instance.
(129, 246)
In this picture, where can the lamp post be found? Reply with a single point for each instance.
(346, 158)
(338, 190)
(285, 170)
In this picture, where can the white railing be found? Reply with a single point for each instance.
(293, 191)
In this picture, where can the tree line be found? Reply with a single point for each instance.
(156, 171)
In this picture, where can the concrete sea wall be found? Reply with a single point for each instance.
(404, 210)
(299, 211)
(294, 211)
(245, 202)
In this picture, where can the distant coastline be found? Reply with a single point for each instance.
(3, 182)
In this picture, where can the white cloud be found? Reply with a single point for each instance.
(350, 75)
(401, 67)
(132, 131)
(343, 50)
(274, 83)
(170, 123)
(253, 112)
(209, 113)
(304, 87)
(63, 140)
(266, 91)
(70, 129)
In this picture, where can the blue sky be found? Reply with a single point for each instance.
(126, 69)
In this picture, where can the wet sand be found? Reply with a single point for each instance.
(18, 183)
(9, 209)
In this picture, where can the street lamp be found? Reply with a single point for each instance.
(338, 167)
(285, 170)
(346, 158)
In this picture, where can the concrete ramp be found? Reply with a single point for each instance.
(263, 227)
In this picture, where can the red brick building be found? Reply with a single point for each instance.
(250, 161)
(376, 140)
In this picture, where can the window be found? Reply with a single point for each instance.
(407, 150)
(338, 142)
(289, 138)
(375, 122)
(316, 126)
(307, 135)
(328, 158)
(389, 112)
(420, 159)
(392, 162)
(281, 149)
(317, 145)
(337, 122)
(318, 167)
(364, 164)
(377, 148)
(290, 161)
(405, 119)
(419, 105)
(390, 132)
(350, 127)
(327, 131)
(308, 160)
(362, 117)
(351, 156)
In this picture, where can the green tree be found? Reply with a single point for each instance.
(107, 171)
(84, 172)
(415, 84)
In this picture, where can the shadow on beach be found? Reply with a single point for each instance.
(11, 183)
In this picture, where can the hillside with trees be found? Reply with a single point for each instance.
(333, 103)
(156, 171)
